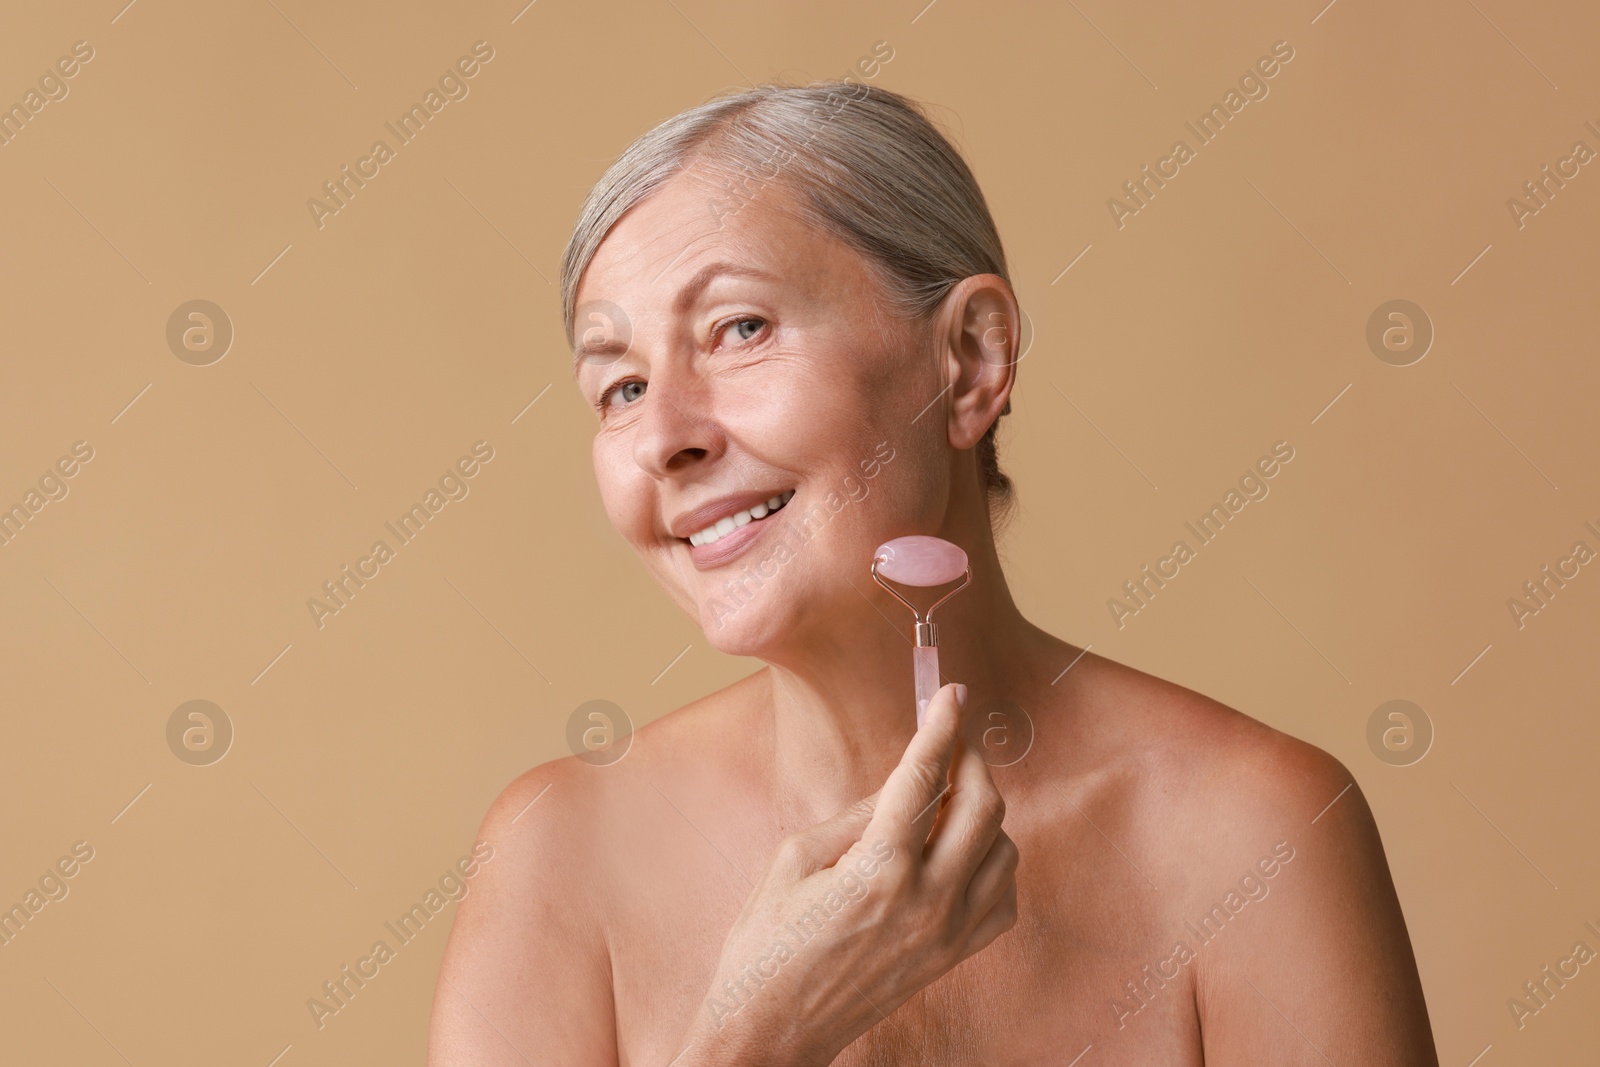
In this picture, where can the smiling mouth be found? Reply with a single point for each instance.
(729, 523)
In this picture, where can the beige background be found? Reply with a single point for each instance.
(371, 353)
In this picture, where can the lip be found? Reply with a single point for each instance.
(724, 549)
(720, 508)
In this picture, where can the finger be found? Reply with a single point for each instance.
(810, 850)
(994, 875)
(908, 800)
(970, 822)
(1000, 919)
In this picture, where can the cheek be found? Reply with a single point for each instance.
(788, 382)
(811, 403)
(625, 499)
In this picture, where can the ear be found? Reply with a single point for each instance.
(979, 340)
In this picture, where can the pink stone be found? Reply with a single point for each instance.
(920, 560)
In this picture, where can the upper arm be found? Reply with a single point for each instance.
(526, 974)
(1322, 970)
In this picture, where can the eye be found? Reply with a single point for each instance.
(744, 327)
(625, 386)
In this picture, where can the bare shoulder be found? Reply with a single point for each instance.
(622, 758)
(529, 961)
(1268, 858)
(527, 964)
(553, 825)
(1208, 793)
(1224, 768)
(543, 814)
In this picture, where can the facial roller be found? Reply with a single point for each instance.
(922, 561)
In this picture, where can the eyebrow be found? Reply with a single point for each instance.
(682, 302)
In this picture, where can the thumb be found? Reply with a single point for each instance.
(916, 786)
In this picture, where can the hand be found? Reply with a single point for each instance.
(857, 913)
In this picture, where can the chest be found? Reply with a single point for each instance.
(1082, 967)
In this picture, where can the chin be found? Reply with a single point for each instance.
(745, 629)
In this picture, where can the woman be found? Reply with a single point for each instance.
(791, 312)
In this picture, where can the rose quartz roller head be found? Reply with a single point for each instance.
(923, 561)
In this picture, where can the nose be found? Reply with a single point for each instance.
(677, 427)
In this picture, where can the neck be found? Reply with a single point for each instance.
(843, 701)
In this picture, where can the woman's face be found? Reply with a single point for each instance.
(736, 355)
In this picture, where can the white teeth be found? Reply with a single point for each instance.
(724, 526)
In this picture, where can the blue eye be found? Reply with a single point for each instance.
(747, 320)
(626, 383)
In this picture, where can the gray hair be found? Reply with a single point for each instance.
(869, 168)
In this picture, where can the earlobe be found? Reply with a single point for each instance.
(981, 355)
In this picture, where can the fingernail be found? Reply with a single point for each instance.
(961, 695)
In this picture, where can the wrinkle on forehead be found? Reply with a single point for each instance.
(771, 227)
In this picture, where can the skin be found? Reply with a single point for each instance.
(612, 911)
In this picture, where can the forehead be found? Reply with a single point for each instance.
(698, 219)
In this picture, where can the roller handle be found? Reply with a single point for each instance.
(925, 661)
